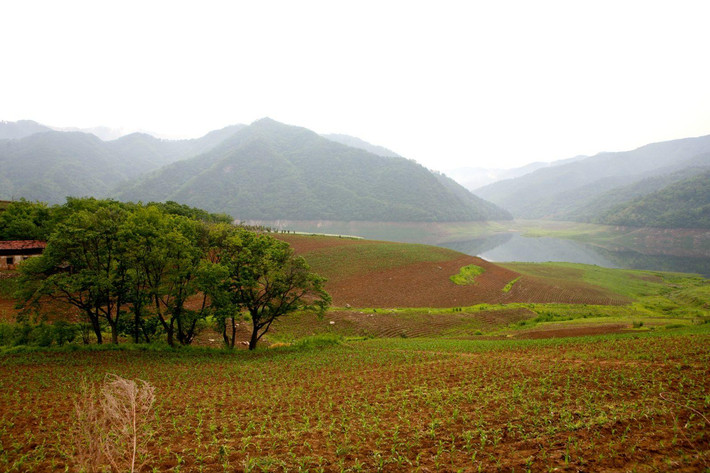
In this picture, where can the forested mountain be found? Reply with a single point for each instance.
(273, 171)
(683, 204)
(20, 129)
(593, 210)
(51, 165)
(146, 153)
(567, 191)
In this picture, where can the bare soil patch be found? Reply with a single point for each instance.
(393, 408)
(427, 283)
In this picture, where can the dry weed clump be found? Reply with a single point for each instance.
(112, 425)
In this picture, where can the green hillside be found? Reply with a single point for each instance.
(684, 204)
(51, 165)
(274, 171)
(594, 209)
(562, 191)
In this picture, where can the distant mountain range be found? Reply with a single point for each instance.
(263, 171)
(51, 165)
(271, 171)
(473, 178)
(20, 129)
(616, 187)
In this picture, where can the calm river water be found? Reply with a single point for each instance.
(514, 247)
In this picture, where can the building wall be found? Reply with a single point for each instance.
(11, 261)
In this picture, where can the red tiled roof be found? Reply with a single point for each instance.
(22, 245)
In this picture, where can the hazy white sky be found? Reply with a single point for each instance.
(448, 83)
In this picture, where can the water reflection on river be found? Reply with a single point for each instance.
(630, 250)
(514, 247)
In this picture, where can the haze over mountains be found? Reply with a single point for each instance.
(263, 171)
(623, 188)
(472, 177)
(272, 171)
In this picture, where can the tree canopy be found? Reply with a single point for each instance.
(141, 268)
(261, 276)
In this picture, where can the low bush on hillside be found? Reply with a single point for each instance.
(467, 275)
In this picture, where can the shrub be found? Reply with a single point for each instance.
(64, 332)
(467, 275)
(43, 335)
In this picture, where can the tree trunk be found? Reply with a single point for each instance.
(145, 333)
(96, 326)
(114, 330)
(229, 342)
(234, 332)
(254, 337)
(136, 321)
(171, 341)
(225, 337)
(167, 327)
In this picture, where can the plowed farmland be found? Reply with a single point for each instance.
(363, 273)
(620, 403)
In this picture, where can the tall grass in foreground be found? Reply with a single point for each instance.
(112, 426)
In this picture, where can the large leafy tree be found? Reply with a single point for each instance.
(260, 275)
(24, 220)
(163, 255)
(83, 266)
(108, 259)
(174, 279)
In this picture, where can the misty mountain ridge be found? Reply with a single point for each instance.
(681, 200)
(473, 178)
(20, 129)
(361, 144)
(586, 190)
(262, 171)
(272, 171)
(49, 165)
(232, 170)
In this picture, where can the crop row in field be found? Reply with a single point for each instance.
(598, 404)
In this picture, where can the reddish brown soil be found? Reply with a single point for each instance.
(385, 323)
(422, 285)
(635, 405)
(51, 310)
(427, 284)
